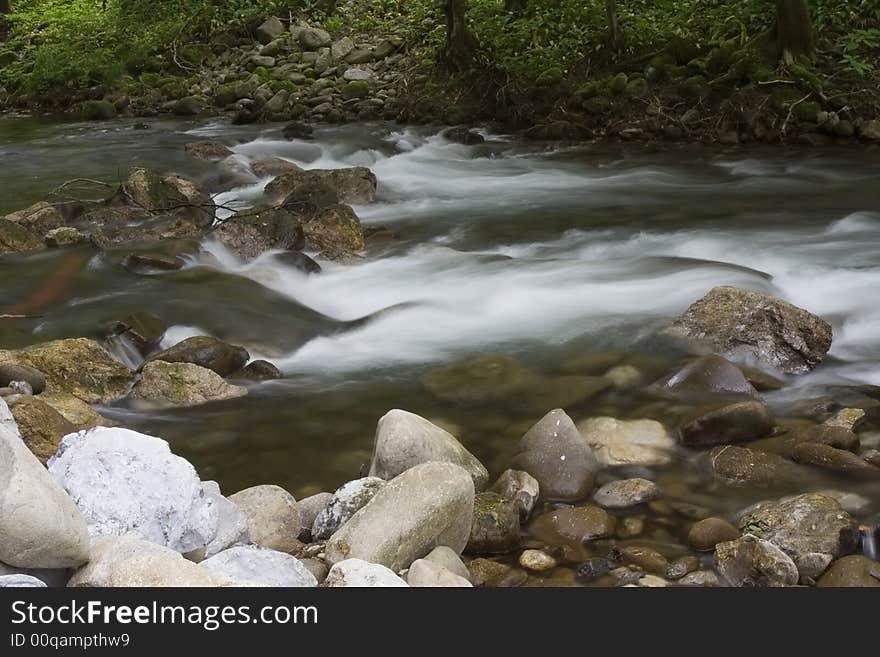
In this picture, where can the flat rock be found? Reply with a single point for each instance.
(404, 440)
(125, 482)
(627, 442)
(182, 384)
(40, 525)
(626, 493)
(737, 422)
(430, 504)
(357, 573)
(738, 322)
(272, 516)
(555, 454)
(741, 466)
(261, 566)
(573, 526)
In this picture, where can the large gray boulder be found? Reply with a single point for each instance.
(272, 516)
(40, 527)
(813, 529)
(357, 573)
(405, 439)
(430, 504)
(261, 566)
(123, 481)
(345, 502)
(128, 561)
(745, 323)
(556, 455)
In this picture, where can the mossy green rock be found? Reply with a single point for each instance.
(590, 89)
(182, 384)
(550, 76)
(336, 231)
(15, 238)
(618, 84)
(98, 110)
(636, 88)
(189, 106)
(806, 111)
(80, 367)
(356, 89)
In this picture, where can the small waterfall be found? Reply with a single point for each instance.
(869, 540)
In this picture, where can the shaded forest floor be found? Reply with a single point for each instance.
(694, 70)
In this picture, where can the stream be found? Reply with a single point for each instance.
(567, 259)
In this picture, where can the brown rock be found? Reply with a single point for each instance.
(41, 426)
(706, 534)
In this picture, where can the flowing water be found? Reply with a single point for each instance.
(568, 259)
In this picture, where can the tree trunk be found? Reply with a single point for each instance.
(613, 24)
(794, 29)
(5, 6)
(461, 44)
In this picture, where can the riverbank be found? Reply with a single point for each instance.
(348, 68)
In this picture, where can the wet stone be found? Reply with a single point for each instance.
(835, 460)
(706, 534)
(626, 493)
(573, 525)
(728, 424)
(593, 569)
(495, 528)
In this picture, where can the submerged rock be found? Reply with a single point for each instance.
(358, 573)
(741, 466)
(751, 561)
(813, 529)
(79, 366)
(480, 380)
(345, 502)
(142, 329)
(181, 385)
(39, 524)
(405, 439)
(261, 566)
(708, 376)
(854, 570)
(732, 423)
(705, 534)
(835, 460)
(272, 516)
(123, 481)
(573, 526)
(430, 504)
(556, 455)
(627, 442)
(740, 322)
(205, 351)
(625, 493)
